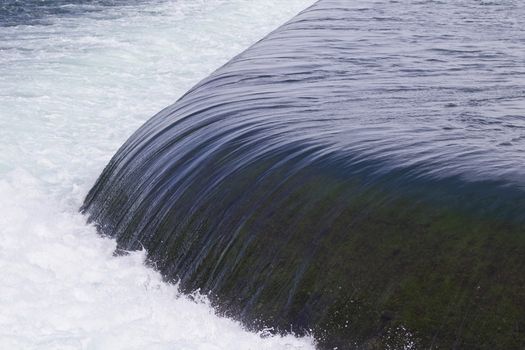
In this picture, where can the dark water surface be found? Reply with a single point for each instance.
(41, 12)
(358, 173)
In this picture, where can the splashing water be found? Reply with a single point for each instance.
(75, 82)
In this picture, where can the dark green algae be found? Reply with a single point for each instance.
(360, 262)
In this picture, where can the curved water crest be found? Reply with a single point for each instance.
(357, 174)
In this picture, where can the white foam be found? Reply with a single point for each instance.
(70, 94)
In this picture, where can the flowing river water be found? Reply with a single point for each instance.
(76, 79)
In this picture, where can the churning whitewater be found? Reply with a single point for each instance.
(76, 79)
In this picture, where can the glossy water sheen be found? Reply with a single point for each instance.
(359, 172)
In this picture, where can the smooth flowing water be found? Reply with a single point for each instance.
(358, 173)
(76, 79)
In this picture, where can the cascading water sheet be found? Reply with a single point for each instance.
(358, 173)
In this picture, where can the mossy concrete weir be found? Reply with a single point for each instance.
(303, 190)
